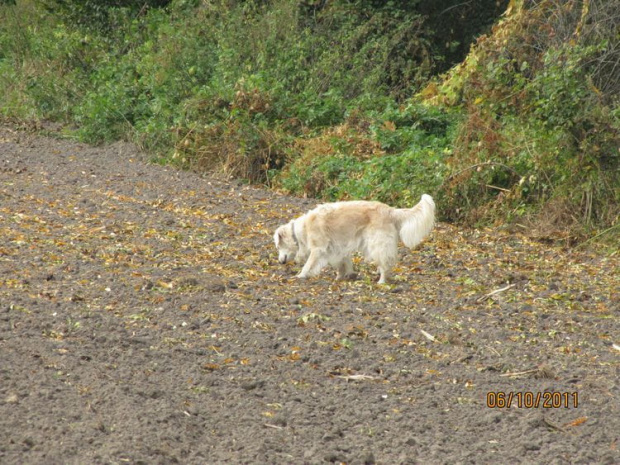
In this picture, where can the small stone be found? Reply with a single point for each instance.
(368, 459)
(215, 285)
(251, 385)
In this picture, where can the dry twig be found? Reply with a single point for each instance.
(496, 291)
(269, 425)
(552, 425)
(542, 371)
(428, 336)
(356, 377)
(520, 373)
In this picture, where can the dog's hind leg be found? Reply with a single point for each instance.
(383, 251)
(316, 262)
(384, 274)
(385, 263)
(345, 268)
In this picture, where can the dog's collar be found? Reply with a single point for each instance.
(293, 233)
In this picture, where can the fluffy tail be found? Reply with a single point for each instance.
(416, 223)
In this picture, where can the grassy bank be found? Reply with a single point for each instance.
(345, 99)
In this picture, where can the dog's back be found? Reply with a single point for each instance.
(345, 220)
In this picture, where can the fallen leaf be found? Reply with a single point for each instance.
(577, 422)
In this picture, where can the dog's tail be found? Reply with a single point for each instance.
(416, 223)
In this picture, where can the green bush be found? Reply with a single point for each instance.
(100, 16)
(393, 157)
(322, 98)
(539, 141)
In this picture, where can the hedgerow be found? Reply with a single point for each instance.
(344, 99)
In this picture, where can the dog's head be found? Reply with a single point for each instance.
(286, 242)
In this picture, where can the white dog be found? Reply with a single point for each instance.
(332, 232)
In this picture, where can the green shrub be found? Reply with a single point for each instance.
(541, 129)
(394, 157)
(319, 97)
(99, 16)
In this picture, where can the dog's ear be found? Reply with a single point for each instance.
(277, 237)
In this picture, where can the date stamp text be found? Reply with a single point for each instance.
(528, 399)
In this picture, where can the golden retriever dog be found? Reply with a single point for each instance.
(332, 232)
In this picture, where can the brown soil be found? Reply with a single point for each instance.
(144, 319)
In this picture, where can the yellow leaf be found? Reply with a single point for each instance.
(429, 91)
(389, 125)
(578, 421)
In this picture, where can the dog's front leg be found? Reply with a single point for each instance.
(302, 254)
(345, 269)
(316, 261)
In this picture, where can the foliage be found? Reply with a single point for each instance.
(395, 157)
(335, 99)
(100, 16)
(541, 131)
